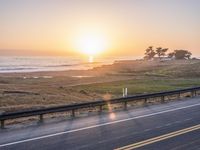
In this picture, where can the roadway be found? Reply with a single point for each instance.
(174, 125)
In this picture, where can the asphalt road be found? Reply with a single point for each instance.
(174, 125)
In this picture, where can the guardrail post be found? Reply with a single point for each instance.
(145, 101)
(100, 109)
(179, 95)
(195, 93)
(192, 93)
(125, 105)
(73, 113)
(41, 119)
(2, 124)
(162, 99)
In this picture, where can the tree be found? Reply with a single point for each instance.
(161, 51)
(188, 55)
(149, 53)
(171, 55)
(182, 54)
(164, 50)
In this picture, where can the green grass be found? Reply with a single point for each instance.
(139, 86)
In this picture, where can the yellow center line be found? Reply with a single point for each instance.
(159, 138)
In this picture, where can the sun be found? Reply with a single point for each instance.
(90, 41)
(91, 44)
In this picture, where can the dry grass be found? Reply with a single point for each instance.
(17, 93)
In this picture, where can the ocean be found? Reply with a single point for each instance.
(36, 64)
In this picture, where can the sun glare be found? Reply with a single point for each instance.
(112, 116)
(91, 44)
(91, 59)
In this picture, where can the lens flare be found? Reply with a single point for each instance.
(112, 116)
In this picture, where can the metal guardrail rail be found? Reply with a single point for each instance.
(100, 104)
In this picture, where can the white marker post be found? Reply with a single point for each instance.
(125, 92)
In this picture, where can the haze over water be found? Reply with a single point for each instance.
(35, 64)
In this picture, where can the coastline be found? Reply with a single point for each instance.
(51, 88)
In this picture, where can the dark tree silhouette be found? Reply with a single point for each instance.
(182, 54)
(171, 55)
(161, 51)
(149, 53)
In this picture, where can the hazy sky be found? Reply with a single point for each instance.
(51, 27)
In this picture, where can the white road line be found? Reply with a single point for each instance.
(188, 119)
(146, 130)
(158, 127)
(95, 126)
(169, 124)
(177, 122)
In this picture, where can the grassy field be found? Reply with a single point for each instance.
(139, 86)
(17, 93)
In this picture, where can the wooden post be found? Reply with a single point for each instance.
(179, 96)
(73, 113)
(125, 105)
(41, 118)
(192, 93)
(145, 101)
(195, 93)
(2, 124)
(100, 109)
(162, 99)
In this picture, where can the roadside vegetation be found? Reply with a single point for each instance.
(139, 76)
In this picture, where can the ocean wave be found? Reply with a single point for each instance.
(64, 65)
(35, 64)
(10, 69)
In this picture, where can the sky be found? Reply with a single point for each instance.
(124, 27)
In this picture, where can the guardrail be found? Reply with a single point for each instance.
(100, 104)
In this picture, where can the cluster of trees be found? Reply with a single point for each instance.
(180, 54)
(160, 52)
